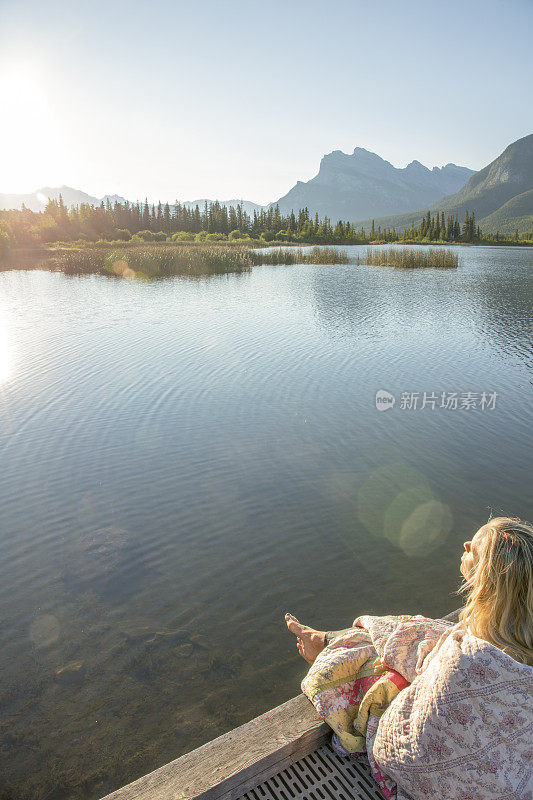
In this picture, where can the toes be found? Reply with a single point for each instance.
(293, 625)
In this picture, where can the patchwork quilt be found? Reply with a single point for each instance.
(438, 712)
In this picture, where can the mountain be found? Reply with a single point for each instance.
(37, 200)
(515, 215)
(247, 205)
(31, 201)
(74, 197)
(363, 184)
(500, 195)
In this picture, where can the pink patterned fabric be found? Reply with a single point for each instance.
(402, 642)
(463, 729)
(350, 688)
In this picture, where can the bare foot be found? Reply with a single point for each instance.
(308, 641)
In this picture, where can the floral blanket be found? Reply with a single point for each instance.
(463, 729)
(439, 712)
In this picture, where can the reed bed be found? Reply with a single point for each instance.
(295, 255)
(194, 261)
(153, 261)
(149, 262)
(406, 258)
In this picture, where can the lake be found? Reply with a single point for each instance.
(185, 460)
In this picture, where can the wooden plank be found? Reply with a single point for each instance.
(228, 766)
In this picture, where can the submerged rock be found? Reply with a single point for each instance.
(184, 650)
(72, 674)
(107, 561)
(172, 638)
(150, 639)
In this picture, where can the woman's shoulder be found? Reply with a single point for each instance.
(470, 650)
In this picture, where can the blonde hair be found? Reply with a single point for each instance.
(499, 604)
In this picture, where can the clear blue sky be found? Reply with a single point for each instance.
(232, 99)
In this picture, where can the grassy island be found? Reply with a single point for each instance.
(403, 258)
(162, 260)
(144, 261)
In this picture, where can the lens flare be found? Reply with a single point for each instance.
(397, 502)
(425, 528)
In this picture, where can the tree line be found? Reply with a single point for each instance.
(215, 222)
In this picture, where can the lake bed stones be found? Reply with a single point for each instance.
(72, 674)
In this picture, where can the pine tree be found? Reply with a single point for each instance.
(167, 225)
(466, 227)
(146, 215)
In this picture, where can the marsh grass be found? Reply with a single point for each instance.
(296, 255)
(148, 262)
(199, 259)
(436, 257)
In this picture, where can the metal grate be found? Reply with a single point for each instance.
(321, 775)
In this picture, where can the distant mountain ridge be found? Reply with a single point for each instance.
(346, 187)
(36, 201)
(500, 195)
(362, 184)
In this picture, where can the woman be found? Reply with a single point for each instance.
(441, 710)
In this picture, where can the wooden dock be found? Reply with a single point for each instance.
(282, 755)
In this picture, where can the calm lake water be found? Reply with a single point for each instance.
(184, 461)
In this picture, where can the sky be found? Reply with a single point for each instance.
(181, 100)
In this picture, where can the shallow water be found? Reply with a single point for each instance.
(185, 460)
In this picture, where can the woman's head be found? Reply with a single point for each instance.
(498, 569)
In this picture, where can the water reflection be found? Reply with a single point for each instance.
(368, 303)
(503, 309)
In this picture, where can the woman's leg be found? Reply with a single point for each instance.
(452, 618)
(309, 641)
(330, 635)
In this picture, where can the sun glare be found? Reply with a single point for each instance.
(30, 139)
